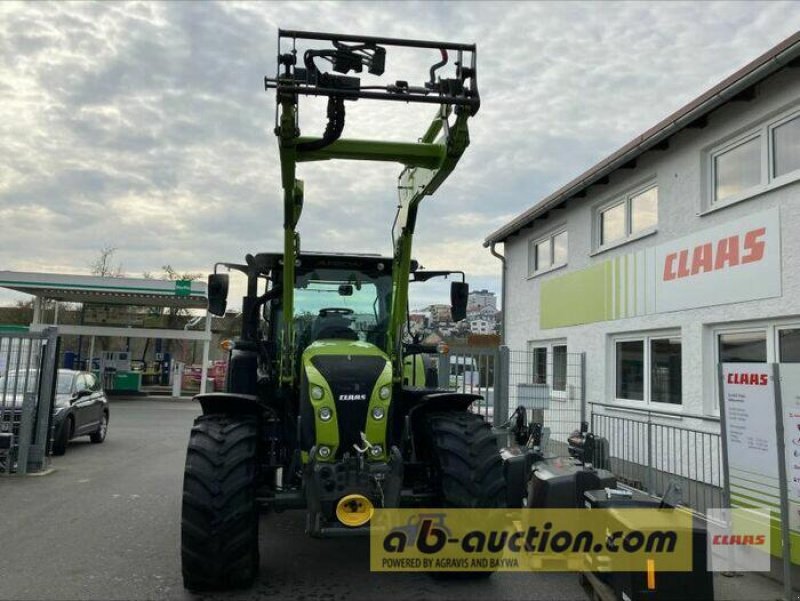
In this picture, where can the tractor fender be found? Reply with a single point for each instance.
(424, 404)
(228, 403)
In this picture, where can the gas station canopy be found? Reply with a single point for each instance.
(106, 290)
(184, 294)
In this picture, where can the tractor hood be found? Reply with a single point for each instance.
(346, 390)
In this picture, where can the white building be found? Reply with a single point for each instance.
(481, 326)
(482, 298)
(677, 252)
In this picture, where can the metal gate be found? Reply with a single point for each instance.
(28, 370)
(551, 387)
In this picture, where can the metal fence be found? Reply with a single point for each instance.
(27, 388)
(476, 370)
(648, 453)
(549, 385)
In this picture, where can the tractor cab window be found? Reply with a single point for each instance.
(341, 304)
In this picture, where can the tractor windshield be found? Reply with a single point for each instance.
(342, 304)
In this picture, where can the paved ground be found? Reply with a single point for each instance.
(105, 525)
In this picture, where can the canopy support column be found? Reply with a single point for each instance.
(206, 348)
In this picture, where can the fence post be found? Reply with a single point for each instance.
(37, 460)
(583, 387)
(650, 467)
(502, 377)
(444, 369)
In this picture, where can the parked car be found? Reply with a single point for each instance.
(80, 407)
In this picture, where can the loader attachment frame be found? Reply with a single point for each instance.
(426, 163)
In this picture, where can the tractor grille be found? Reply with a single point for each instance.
(352, 379)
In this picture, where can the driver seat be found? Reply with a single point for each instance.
(332, 326)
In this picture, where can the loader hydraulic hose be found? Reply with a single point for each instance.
(333, 130)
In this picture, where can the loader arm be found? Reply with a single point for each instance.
(426, 163)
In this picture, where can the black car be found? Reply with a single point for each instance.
(80, 407)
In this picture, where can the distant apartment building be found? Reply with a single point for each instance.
(482, 298)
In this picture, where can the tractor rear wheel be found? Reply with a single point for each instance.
(467, 466)
(219, 525)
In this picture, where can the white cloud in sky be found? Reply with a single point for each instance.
(145, 125)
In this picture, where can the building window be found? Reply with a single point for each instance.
(560, 367)
(764, 157)
(548, 253)
(737, 169)
(648, 369)
(743, 347)
(630, 370)
(612, 224)
(786, 147)
(629, 217)
(665, 370)
(550, 365)
(540, 365)
(789, 345)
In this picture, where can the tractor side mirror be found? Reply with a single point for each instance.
(218, 293)
(459, 291)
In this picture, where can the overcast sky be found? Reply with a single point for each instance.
(145, 126)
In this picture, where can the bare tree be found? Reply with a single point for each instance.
(103, 264)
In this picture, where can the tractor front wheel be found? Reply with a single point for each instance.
(466, 460)
(467, 467)
(219, 525)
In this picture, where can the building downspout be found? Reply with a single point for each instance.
(502, 291)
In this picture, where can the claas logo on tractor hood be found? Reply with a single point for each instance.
(352, 397)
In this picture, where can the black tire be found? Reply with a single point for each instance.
(102, 429)
(62, 436)
(466, 460)
(219, 525)
(468, 468)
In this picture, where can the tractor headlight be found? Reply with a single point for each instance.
(378, 413)
(325, 414)
(324, 451)
(385, 392)
(317, 393)
(376, 450)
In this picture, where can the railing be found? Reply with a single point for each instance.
(648, 453)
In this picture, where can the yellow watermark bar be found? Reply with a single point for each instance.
(521, 540)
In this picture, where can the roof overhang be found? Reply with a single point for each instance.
(749, 75)
(106, 290)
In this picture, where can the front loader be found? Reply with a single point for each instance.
(324, 409)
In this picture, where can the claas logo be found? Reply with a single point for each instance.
(748, 379)
(739, 539)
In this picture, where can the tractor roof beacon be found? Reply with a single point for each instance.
(325, 409)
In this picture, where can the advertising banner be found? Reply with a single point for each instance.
(732, 262)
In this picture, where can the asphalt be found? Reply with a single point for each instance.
(105, 524)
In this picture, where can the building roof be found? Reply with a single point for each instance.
(116, 291)
(695, 112)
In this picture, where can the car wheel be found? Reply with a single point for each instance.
(63, 436)
(102, 429)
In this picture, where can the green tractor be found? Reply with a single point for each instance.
(327, 405)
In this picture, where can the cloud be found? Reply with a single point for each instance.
(146, 126)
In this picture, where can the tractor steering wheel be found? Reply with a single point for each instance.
(328, 311)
